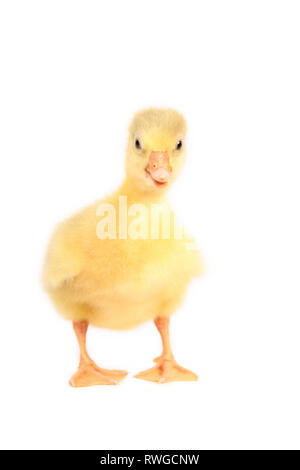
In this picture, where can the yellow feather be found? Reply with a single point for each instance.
(120, 283)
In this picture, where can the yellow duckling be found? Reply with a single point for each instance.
(125, 260)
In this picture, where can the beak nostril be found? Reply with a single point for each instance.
(159, 166)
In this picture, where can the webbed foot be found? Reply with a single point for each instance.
(89, 374)
(167, 370)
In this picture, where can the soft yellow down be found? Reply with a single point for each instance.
(120, 284)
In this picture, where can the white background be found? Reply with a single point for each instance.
(72, 75)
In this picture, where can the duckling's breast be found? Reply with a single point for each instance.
(151, 282)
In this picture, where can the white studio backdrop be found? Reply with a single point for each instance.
(72, 75)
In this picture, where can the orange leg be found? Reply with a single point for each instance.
(88, 372)
(167, 369)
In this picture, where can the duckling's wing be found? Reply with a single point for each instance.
(62, 263)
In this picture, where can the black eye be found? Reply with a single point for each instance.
(179, 145)
(137, 144)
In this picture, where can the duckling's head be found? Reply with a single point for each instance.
(155, 149)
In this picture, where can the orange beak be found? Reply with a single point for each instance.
(159, 166)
